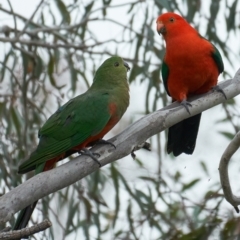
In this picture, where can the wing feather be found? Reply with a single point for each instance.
(73, 123)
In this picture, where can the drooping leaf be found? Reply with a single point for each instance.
(228, 135)
(66, 18)
(189, 185)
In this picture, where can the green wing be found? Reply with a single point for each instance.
(216, 56)
(74, 122)
(218, 59)
(165, 73)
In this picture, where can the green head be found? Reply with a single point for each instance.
(112, 71)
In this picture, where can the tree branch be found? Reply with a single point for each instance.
(59, 36)
(26, 232)
(51, 181)
(223, 172)
(39, 43)
(29, 20)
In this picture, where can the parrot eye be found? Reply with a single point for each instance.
(116, 64)
(171, 19)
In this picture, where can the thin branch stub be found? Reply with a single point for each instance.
(26, 232)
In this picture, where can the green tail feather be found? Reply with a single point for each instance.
(24, 217)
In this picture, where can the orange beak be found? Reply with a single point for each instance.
(160, 27)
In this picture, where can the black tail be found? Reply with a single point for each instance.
(24, 216)
(183, 135)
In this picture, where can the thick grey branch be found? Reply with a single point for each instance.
(134, 135)
(223, 171)
(223, 166)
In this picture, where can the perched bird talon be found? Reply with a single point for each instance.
(218, 89)
(102, 141)
(185, 104)
(92, 155)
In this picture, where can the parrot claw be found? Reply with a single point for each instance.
(102, 141)
(218, 89)
(144, 145)
(185, 104)
(92, 155)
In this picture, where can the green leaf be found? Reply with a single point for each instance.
(51, 69)
(64, 12)
(130, 191)
(212, 194)
(4, 63)
(130, 220)
(163, 3)
(177, 176)
(135, 72)
(153, 180)
(17, 120)
(232, 16)
(190, 185)
(204, 167)
(230, 228)
(25, 62)
(74, 74)
(140, 194)
(228, 135)
(104, 9)
(38, 69)
(51, 65)
(114, 175)
(231, 101)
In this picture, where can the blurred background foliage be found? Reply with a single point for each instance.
(51, 57)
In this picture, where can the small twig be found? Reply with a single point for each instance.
(26, 232)
(33, 23)
(124, 26)
(6, 229)
(58, 28)
(9, 69)
(14, 17)
(223, 172)
(52, 46)
(28, 53)
(29, 20)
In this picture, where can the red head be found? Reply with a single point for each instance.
(172, 24)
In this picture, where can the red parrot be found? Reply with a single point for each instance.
(80, 123)
(191, 66)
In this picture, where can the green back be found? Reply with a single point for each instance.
(83, 116)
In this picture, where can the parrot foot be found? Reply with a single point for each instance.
(144, 145)
(102, 141)
(185, 104)
(218, 89)
(92, 155)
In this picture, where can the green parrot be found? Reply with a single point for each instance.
(80, 123)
